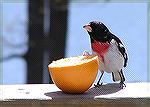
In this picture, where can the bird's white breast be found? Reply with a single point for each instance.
(113, 59)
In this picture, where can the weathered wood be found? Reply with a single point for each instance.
(48, 95)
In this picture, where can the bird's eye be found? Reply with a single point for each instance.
(105, 36)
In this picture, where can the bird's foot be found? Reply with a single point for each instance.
(85, 53)
(98, 85)
(122, 85)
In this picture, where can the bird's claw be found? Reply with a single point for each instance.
(98, 85)
(122, 85)
(86, 53)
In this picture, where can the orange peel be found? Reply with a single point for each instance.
(74, 74)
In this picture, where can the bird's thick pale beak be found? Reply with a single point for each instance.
(88, 28)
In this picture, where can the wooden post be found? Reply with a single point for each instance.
(34, 56)
(58, 29)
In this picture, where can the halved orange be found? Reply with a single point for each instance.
(74, 74)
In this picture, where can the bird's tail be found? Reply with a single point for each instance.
(116, 76)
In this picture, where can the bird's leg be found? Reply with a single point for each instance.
(122, 84)
(97, 85)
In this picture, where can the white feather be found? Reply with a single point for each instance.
(113, 59)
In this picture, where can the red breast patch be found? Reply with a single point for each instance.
(100, 48)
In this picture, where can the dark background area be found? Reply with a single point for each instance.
(39, 42)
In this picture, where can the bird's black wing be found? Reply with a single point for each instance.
(121, 49)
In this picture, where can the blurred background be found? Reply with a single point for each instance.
(36, 32)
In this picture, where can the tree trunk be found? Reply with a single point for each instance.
(58, 29)
(34, 56)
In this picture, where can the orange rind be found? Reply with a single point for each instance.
(74, 74)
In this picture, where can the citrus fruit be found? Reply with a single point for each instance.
(74, 74)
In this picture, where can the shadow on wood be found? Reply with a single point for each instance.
(91, 93)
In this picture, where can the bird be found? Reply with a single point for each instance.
(112, 55)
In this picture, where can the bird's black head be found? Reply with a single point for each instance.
(97, 31)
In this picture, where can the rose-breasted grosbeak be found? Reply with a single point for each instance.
(110, 50)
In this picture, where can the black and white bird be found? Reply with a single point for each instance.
(110, 50)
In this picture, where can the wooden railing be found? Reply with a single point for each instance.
(48, 95)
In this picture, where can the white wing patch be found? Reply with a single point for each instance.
(121, 45)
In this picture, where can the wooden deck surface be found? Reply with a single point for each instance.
(48, 95)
